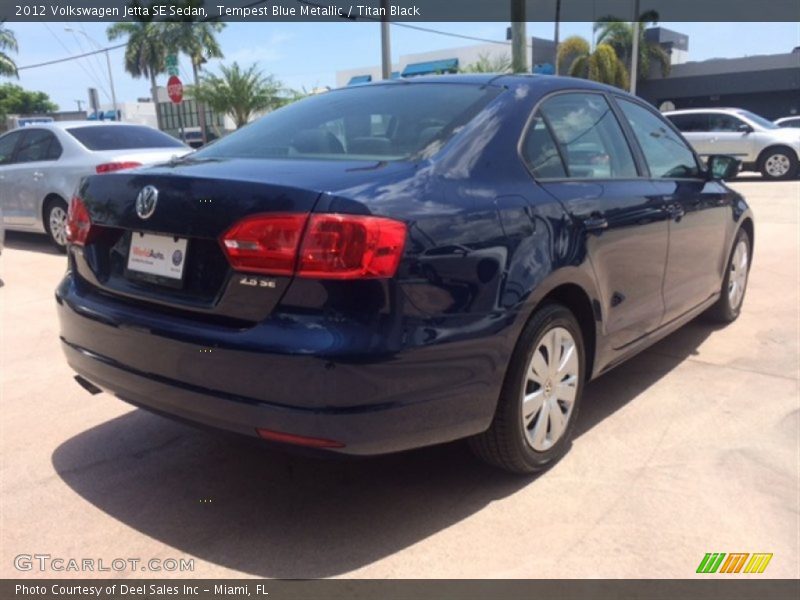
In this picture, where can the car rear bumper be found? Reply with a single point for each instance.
(373, 404)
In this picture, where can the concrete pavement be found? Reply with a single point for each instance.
(692, 447)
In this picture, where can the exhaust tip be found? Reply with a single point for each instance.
(87, 385)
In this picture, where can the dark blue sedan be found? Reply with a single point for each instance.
(403, 264)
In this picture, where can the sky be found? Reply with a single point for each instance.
(307, 55)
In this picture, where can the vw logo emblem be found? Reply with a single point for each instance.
(146, 202)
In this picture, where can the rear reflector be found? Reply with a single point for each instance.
(297, 440)
(319, 246)
(79, 224)
(116, 166)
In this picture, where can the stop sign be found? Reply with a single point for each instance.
(175, 89)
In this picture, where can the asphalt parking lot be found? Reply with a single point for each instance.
(691, 447)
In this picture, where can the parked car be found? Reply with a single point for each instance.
(395, 265)
(2, 231)
(41, 165)
(758, 143)
(791, 122)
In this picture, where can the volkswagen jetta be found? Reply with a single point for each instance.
(396, 265)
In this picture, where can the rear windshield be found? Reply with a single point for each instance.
(381, 122)
(122, 137)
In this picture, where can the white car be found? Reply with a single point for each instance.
(42, 164)
(788, 121)
(760, 144)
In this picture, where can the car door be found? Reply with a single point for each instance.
(698, 210)
(8, 187)
(576, 149)
(731, 135)
(36, 152)
(694, 127)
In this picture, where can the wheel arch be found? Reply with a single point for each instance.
(48, 199)
(772, 147)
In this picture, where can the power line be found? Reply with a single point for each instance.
(74, 57)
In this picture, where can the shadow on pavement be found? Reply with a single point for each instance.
(32, 242)
(261, 512)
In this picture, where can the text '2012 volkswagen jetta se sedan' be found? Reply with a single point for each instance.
(396, 265)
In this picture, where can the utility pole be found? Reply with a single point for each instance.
(556, 35)
(519, 42)
(386, 42)
(79, 103)
(108, 64)
(635, 47)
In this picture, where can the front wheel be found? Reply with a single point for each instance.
(734, 285)
(538, 405)
(55, 220)
(779, 163)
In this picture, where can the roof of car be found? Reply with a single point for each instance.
(68, 124)
(686, 111)
(507, 80)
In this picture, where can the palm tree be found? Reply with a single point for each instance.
(198, 41)
(619, 35)
(8, 41)
(146, 51)
(486, 64)
(576, 58)
(239, 92)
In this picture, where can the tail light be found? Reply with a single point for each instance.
(320, 246)
(116, 166)
(79, 223)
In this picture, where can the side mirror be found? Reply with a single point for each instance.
(744, 128)
(721, 166)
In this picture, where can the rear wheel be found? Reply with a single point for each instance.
(778, 163)
(734, 285)
(55, 222)
(538, 406)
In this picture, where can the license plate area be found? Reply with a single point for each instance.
(155, 258)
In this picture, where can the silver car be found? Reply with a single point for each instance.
(758, 143)
(788, 121)
(41, 166)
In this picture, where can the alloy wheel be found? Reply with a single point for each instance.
(551, 384)
(58, 225)
(777, 165)
(737, 279)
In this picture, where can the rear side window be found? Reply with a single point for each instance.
(7, 144)
(122, 137)
(38, 145)
(541, 153)
(666, 153)
(588, 137)
(690, 123)
(381, 122)
(720, 122)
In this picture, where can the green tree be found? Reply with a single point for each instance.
(15, 100)
(576, 58)
(8, 42)
(487, 64)
(197, 40)
(239, 92)
(146, 50)
(619, 35)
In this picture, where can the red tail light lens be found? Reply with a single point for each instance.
(116, 166)
(319, 246)
(265, 243)
(79, 223)
(297, 440)
(351, 247)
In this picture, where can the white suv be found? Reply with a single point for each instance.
(758, 143)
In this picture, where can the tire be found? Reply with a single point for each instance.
(55, 223)
(778, 163)
(734, 284)
(525, 444)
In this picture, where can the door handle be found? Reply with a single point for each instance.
(38, 174)
(595, 223)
